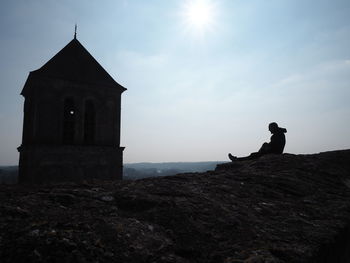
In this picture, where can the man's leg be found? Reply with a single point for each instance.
(252, 156)
(265, 148)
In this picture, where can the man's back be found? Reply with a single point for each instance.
(278, 141)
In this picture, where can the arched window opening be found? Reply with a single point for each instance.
(69, 121)
(89, 123)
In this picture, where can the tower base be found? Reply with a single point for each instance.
(53, 164)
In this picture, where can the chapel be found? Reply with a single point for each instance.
(72, 118)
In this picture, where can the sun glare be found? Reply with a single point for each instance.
(199, 15)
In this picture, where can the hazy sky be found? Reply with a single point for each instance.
(204, 78)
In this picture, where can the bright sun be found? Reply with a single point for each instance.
(199, 14)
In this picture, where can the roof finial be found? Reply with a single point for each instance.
(75, 31)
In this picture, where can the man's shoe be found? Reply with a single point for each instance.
(231, 157)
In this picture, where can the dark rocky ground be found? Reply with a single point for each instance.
(288, 208)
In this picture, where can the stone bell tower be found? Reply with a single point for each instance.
(71, 126)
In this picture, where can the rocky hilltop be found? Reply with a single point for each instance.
(280, 208)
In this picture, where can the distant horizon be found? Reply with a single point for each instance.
(217, 161)
(203, 77)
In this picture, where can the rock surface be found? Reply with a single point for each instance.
(280, 208)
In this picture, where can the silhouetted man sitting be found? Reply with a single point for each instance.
(276, 145)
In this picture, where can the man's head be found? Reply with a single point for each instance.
(273, 127)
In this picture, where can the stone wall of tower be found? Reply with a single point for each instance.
(44, 155)
(43, 112)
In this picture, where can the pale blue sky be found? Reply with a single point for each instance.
(194, 96)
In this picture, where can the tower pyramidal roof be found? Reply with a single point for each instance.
(75, 63)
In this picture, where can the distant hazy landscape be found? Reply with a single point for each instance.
(132, 171)
(142, 170)
(8, 174)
